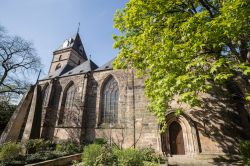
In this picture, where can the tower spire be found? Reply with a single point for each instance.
(78, 28)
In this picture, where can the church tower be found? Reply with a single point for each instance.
(69, 55)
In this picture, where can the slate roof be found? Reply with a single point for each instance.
(59, 72)
(68, 70)
(106, 66)
(85, 67)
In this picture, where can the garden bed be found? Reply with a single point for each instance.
(39, 152)
(61, 161)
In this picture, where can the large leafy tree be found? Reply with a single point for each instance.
(183, 46)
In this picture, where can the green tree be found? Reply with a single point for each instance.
(183, 46)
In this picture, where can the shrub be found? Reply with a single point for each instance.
(10, 151)
(129, 157)
(90, 154)
(107, 157)
(69, 147)
(43, 155)
(96, 154)
(20, 160)
(100, 141)
(148, 163)
(148, 154)
(36, 145)
(35, 157)
(245, 151)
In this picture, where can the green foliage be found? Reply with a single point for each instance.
(43, 155)
(35, 157)
(129, 157)
(100, 141)
(96, 154)
(6, 110)
(38, 150)
(148, 154)
(183, 47)
(245, 151)
(148, 163)
(20, 160)
(90, 154)
(68, 147)
(107, 157)
(9, 151)
(36, 145)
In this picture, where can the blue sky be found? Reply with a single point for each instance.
(47, 23)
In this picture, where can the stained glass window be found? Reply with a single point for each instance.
(110, 101)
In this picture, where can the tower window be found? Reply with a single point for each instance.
(58, 66)
(60, 57)
(110, 101)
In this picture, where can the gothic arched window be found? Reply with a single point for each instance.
(110, 98)
(68, 104)
(45, 96)
(70, 98)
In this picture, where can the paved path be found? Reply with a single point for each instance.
(204, 161)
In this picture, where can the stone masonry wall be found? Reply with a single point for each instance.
(122, 133)
(214, 128)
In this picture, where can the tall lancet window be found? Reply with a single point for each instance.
(45, 96)
(110, 98)
(70, 98)
(67, 105)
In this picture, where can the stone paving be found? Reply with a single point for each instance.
(204, 161)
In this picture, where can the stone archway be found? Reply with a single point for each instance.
(184, 127)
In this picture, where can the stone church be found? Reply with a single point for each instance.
(80, 101)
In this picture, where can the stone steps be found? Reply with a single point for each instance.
(204, 160)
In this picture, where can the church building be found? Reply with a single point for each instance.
(81, 101)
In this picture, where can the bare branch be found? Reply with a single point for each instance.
(17, 58)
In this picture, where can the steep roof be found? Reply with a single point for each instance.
(106, 66)
(68, 70)
(75, 43)
(85, 67)
(59, 72)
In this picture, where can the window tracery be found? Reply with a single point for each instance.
(110, 98)
(68, 105)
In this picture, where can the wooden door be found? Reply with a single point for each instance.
(176, 139)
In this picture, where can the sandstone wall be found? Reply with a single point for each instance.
(214, 128)
(122, 133)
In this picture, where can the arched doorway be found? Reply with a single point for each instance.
(181, 136)
(176, 139)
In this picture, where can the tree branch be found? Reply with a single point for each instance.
(205, 5)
